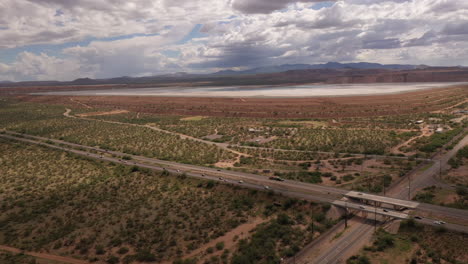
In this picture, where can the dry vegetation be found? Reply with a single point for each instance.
(289, 148)
(48, 121)
(415, 244)
(64, 204)
(447, 195)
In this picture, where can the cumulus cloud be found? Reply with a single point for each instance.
(108, 38)
(29, 66)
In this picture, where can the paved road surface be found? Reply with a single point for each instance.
(335, 253)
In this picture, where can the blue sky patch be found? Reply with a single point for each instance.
(321, 5)
(195, 33)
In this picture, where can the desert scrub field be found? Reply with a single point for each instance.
(402, 122)
(458, 173)
(452, 197)
(65, 204)
(286, 234)
(359, 135)
(340, 170)
(457, 198)
(48, 121)
(415, 243)
(197, 126)
(436, 141)
(339, 140)
(278, 154)
(299, 134)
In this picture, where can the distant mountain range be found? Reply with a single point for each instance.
(331, 72)
(328, 65)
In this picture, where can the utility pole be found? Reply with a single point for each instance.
(383, 183)
(362, 164)
(375, 216)
(440, 169)
(346, 215)
(409, 186)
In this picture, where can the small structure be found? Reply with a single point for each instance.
(418, 122)
(439, 130)
(253, 130)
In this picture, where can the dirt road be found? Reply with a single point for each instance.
(46, 256)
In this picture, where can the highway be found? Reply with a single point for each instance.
(312, 192)
(296, 189)
(365, 229)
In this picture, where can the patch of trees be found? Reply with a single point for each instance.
(437, 140)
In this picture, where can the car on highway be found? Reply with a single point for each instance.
(442, 222)
(266, 187)
(240, 181)
(276, 178)
(362, 207)
(418, 217)
(437, 222)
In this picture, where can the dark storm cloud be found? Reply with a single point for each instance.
(448, 6)
(266, 6)
(460, 28)
(369, 2)
(391, 43)
(333, 17)
(240, 54)
(101, 5)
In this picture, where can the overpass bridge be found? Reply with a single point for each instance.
(378, 200)
(371, 209)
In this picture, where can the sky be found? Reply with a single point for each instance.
(64, 39)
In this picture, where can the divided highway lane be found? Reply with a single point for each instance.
(458, 213)
(334, 255)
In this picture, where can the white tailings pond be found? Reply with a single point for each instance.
(311, 90)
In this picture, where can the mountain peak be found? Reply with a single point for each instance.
(328, 65)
